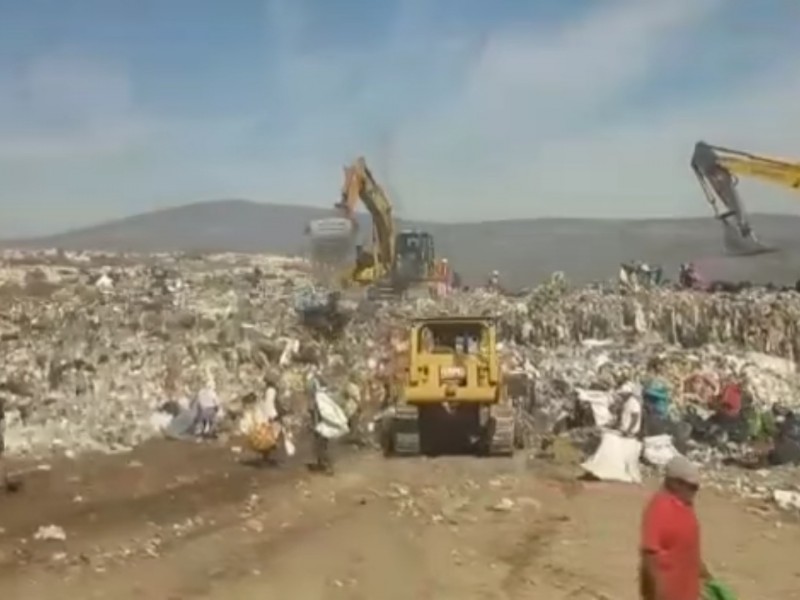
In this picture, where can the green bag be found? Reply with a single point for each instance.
(716, 590)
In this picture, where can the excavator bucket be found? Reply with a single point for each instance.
(737, 244)
(332, 229)
(332, 240)
(717, 169)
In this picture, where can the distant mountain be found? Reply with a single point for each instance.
(524, 250)
(237, 225)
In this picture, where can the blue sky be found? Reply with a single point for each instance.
(465, 109)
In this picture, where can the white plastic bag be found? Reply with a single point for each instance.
(600, 403)
(333, 420)
(616, 459)
(659, 450)
(288, 444)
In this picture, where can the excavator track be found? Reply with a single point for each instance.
(503, 431)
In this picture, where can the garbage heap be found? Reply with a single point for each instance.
(94, 344)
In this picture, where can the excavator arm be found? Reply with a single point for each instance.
(359, 184)
(396, 260)
(717, 169)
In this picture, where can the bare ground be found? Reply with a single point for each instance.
(184, 521)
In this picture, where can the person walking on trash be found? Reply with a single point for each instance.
(671, 565)
(9, 483)
(351, 404)
(328, 422)
(630, 420)
(207, 409)
(263, 424)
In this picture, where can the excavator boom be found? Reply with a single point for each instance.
(359, 184)
(717, 169)
(397, 258)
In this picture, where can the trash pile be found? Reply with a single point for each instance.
(95, 345)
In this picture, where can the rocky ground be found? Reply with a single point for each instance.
(188, 521)
(94, 344)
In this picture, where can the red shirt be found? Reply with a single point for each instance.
(670, 531)
(730, 400)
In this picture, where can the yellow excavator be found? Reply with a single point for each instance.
(717, 169)
(396, 260)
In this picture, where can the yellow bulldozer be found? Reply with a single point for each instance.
(450, 396)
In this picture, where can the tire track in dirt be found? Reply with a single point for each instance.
(223, 547)
(526, 553)
(529, 560)
(530, 565)
(142, 503)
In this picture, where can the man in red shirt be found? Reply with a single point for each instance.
(671, 567)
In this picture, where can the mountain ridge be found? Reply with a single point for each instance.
(524, 250)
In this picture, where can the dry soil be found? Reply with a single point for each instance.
(189, 521)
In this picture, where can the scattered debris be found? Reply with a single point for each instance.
(50, 533)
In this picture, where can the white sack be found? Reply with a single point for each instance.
(288, 443)
(616, 459)
(659, 450)
(600, 402)
(333, 420)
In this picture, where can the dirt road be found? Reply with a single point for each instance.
(174, 521)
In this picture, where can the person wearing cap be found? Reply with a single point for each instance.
(671, 564)
(323, 459)
(494, 281)
(630, 421)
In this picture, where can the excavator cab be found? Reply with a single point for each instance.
(415, 255)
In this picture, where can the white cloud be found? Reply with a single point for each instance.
(73, 87)
(578, 67)
(66, 107)
(522, 120)
(535, 131)
(544, 119)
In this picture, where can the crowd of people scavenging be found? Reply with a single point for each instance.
(634, 275)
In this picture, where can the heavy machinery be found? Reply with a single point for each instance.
(451, 395)
(718, 169)
(395, 259)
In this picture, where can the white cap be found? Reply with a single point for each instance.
(681, 468)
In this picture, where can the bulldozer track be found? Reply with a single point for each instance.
(406, 439)
(502, 439)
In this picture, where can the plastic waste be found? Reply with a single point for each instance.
(716, 590)
(616, 459)
(263, 437)
(182, 425)
(600, 403)
(333, 420)
(659, 449)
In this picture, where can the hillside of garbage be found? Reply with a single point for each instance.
(96, 344)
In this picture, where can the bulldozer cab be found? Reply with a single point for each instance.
(415, 254)
(455, 358)
(439, 337)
